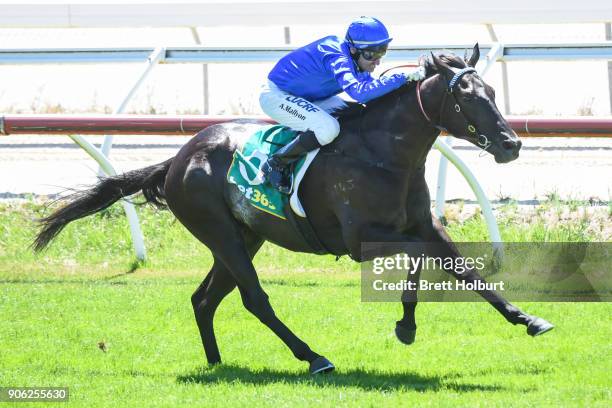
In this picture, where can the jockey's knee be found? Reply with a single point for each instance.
(327, 131)
(264, 97)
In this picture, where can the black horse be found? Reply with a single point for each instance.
(366, 186)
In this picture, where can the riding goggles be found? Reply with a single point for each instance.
(373, 53)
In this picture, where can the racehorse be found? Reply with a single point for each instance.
(367, 186)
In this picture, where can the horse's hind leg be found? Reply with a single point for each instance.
(205, 300)
(198, 202)
(230, 247)
(256, 301)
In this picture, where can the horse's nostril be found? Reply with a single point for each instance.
(510, 145)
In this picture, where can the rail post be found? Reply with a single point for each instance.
(101, 156)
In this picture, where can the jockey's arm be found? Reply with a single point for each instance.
(366, 89)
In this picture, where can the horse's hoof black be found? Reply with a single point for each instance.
(321, 365)
(404, 334)
(539, 326)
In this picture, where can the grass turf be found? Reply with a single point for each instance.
(59, 310)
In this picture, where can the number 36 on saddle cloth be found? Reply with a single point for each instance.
(245, 171)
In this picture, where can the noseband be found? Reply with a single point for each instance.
(481, 140)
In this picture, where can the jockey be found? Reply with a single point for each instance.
(302, 90)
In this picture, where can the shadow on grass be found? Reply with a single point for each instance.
(358, 378)
(134, 266)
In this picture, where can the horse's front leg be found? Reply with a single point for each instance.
(405, 329)
(514, 315)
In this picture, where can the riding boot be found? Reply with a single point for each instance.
(277, 170)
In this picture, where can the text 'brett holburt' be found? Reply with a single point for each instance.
(423, 284)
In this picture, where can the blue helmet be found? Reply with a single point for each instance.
(367, 32)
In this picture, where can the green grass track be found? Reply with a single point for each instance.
(118, 334)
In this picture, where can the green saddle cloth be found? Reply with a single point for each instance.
(245, 170)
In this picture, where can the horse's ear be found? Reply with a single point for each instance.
(442, 67)
(475, 56)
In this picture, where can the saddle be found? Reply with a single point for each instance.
(245, 171)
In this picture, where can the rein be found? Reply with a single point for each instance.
(418, 87)
(418, 92)
(481, 140)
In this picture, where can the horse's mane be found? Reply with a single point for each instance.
(355, 109)
(451, 60)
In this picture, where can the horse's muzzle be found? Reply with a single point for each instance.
(508, 148)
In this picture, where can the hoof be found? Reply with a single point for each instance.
(321, 365)
(405, 335)
(539, 326)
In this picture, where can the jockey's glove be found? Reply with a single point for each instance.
(416, 75)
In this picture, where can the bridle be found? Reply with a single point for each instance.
(481, 139)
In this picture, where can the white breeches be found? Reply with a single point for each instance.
(300, 114)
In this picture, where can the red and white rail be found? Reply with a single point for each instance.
(525, 126)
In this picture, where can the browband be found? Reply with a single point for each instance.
(458, 76)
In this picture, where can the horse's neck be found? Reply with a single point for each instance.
(393, 134)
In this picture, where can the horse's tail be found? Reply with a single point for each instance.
(150, 180)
